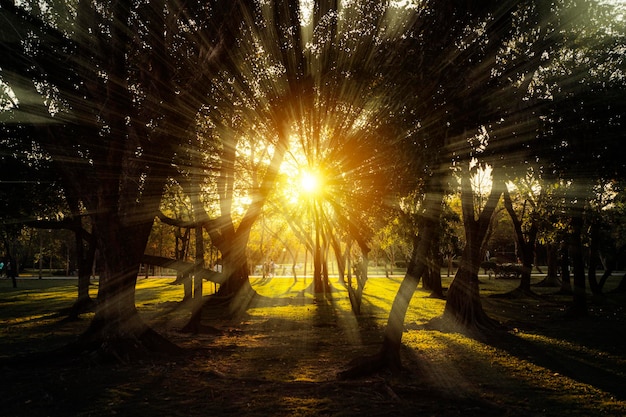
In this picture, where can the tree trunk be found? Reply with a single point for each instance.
(579, 303)
(611, 265)
(525, 244)
(318, 283)
(431, 280)
(551, 279)
(389, 355)
(199, 266)
(463, 305)
(83, 303)
(566, 285)
(340, 257)
(593, 259)
(621, 288)
(117, 332)
(235, 292)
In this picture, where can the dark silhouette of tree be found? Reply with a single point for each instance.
(581, 123)
(113, 100)
(29, 189)
(466, 59)
(526, 238)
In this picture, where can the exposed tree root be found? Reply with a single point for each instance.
(364, 366)
(548, 282)
(477, 327)
(199, 328)
(126, 342)
(437, 295)
(81, 306)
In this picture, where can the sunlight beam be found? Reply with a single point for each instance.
(310, 182)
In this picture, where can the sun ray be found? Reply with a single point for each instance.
(310, 182)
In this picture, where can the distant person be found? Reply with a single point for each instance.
(12, 272)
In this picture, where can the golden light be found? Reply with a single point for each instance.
(310, 182)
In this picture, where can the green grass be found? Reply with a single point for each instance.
(281, 357)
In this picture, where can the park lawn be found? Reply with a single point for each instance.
(282, 356)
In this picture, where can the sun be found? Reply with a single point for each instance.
(310, 182)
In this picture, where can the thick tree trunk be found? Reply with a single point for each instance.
(237, 289)
(235, 267)
(117, 332)
(551, 279)
(527, 267)
(463, 305)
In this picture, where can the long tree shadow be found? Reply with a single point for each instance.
(586, 350)
(576, 362)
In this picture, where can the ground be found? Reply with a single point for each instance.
(282, 357)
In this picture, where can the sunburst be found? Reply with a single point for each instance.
(310, 182)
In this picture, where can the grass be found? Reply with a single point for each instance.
(282, 358)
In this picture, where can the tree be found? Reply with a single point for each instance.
(29, 190)
(529, 219)
(478, 43)
(463, 304)
(113, 100)
(389, 353)
(586, 83)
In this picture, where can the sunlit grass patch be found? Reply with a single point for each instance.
(512, 373)
(290, 346)
(33, 297)
(152, 291)
(282, 286)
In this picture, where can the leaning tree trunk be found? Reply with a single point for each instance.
(525, 244)
(389, 354)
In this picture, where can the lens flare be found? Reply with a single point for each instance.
(310, 182)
